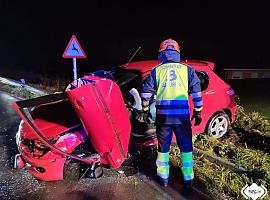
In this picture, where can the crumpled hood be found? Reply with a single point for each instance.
(169, 56)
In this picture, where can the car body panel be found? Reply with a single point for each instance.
(51, 163)
(50, 159)
(101, 108)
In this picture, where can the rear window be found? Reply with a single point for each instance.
(204, 79)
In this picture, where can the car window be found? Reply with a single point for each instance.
(123, 76)
(102, 74)
(127, 79)
(204, 79)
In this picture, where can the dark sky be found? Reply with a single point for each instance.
(34, 34)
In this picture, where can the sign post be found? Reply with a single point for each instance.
(74, 50)
(74, 68)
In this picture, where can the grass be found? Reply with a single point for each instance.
(50, 82)
(251, 121)
(254, 160)
(52, 88)
(247, 146)
(17, 92)
(254, 95)
(45, 83)
(263, 106)
(221, 179)
(217, 179)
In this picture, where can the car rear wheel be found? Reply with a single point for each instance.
(218, 125)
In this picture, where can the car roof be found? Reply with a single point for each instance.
(147, 65)
(199, 63)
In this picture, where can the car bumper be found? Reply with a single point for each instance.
(49, 167)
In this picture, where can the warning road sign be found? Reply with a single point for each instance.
(74, 49)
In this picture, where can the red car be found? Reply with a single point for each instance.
(218, 97)
(96, 122)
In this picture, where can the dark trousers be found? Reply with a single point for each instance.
(183, 134)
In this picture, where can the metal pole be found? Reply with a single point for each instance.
(74, 68)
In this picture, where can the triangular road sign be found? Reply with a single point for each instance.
(74, 49)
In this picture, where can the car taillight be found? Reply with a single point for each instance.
(230, 92)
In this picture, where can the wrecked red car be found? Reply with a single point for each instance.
(218, 96)
(96, 122)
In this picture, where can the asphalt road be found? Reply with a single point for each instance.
(126, 183)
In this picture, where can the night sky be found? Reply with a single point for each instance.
(34, 34)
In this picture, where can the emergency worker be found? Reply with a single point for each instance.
(172, 83)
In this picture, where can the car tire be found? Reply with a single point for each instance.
(71, 170)
(218, 125)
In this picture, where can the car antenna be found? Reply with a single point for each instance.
(133, 56)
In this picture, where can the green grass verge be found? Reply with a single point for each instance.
(17, 91)
(247, 146)
(254, 160)
(52, 88)
(254, 97)
(219, 179)
(251, 121)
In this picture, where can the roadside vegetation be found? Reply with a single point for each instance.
(50, 82)
(46, 84)
(56, 86)
(251, 121)
(253, 95)
(247, 146)
(18, 92)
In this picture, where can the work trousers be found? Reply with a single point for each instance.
(183, 134)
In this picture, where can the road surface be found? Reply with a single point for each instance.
(134, 183)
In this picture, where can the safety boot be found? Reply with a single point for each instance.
(188, 184)
(186, 190)
(163, 181)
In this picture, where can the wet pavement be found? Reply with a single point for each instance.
(128, 183)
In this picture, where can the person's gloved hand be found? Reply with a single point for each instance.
(145, 111)
(146, 108)
(197, 116)
(145, 104)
